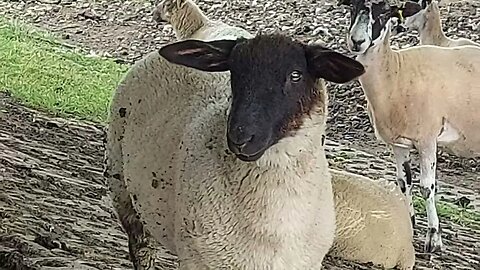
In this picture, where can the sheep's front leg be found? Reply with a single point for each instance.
(404, 177)
(142, 254)
(428, 160)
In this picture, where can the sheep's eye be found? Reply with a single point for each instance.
(295, 76)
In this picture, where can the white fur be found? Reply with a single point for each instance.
(188, 21)
(373, 223)
(429, 26)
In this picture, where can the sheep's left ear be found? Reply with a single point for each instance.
(206, 56)
(332, 66)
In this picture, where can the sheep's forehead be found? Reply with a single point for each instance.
(269, 50)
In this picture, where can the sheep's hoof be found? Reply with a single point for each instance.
(433, 242)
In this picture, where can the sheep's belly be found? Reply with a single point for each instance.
(454, 142)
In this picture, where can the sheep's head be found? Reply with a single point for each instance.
(369, 22)
(416, 12)
(273, 81)
(165, 8)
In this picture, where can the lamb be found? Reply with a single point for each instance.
(188, 21)
(414, 100)
(372, 222)
(428, 24)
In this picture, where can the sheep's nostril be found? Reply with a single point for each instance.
(357, 43)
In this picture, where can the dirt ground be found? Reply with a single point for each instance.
(54, 208)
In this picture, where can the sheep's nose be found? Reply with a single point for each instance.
(356, 44)
(239, 137)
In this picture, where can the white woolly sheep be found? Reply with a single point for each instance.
(267, 206)
(188, 21)
(429, 25)
(418, 97)
(372, 222)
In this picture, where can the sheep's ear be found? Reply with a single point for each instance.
(408, 9)
(332, 66)
(343, 2)
(206, 56)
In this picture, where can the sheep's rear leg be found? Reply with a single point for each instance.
(404, 177)
(428, 185)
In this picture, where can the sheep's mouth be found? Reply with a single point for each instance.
(250, 158)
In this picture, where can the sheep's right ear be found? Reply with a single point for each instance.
(206, 56)
(344, 2)
(332, 66)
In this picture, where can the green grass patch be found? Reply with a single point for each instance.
(38, 70)
(454, 213)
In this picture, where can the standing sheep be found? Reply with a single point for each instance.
(418, 97)
(425, 18)
(242, 184)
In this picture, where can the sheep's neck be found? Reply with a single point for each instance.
(187, 21)
(431, 32)
(380, 62)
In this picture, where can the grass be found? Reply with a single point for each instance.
(456, 214)
(42, 73)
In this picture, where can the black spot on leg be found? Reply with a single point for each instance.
(122, 112)
(155, 183)
(408, 172)
(134, 197)
(412, 219)
(426, 192)
(432, 166)
(323, 140)
(432, 187)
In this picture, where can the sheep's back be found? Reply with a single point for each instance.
(156, 100)
(373, 224)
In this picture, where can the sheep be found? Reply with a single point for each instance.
(188, 21)
(355, 245)
(372, 222)
(419, 97)
(244, 182)
(428, 24)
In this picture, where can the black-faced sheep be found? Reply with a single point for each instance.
(251, 190)
(418, 97)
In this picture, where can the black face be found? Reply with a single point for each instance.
(369, 18)
(273, 81)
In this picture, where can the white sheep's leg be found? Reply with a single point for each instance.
(404, 177)
(428, 160)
